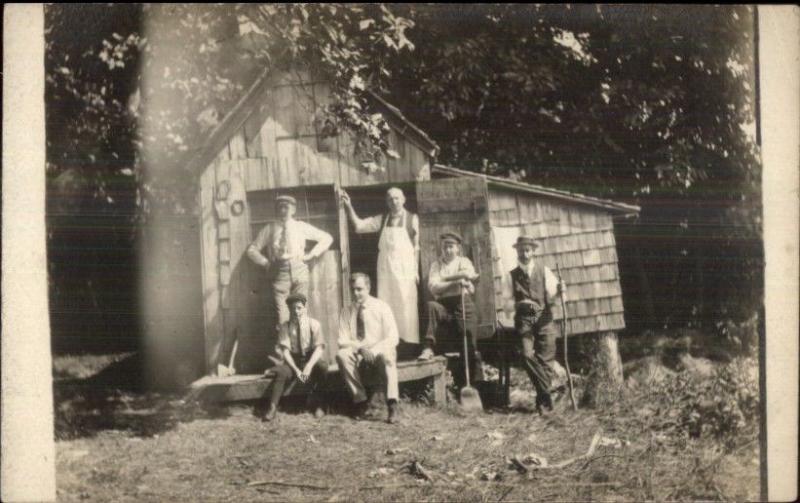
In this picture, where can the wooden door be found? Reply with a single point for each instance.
(319, 206)
(460, 205)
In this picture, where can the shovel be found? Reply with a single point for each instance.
(470, 399)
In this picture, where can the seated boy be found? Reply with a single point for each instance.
(301, 345)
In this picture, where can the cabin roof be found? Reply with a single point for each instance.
(238, 114)
(504, 183)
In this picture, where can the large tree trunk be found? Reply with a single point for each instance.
(605, 376)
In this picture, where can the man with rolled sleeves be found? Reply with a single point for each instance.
(451, 282)
(534, 290)
(368, 341)
(280, 249)
(301, 346)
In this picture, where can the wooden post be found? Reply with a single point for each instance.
(605, 376)
(28, 453)
(566, 339)
(440, 387)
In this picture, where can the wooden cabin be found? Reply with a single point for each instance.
(270, 143)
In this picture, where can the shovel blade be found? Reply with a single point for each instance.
(470, 400)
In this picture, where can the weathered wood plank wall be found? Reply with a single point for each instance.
(460, 205)
(581, 240)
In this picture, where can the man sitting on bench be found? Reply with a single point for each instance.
(301, 345)
(368, 341)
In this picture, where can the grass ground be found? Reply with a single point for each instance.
(119, 444)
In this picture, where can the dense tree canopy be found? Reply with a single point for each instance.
(650, 105)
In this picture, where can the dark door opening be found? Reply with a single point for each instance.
(369, 201)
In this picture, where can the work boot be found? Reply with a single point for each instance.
(544, 403)
(392, 418)
(271, 413)
(426, 354)
(360, 410)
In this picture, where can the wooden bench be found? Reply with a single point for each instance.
(255, 386)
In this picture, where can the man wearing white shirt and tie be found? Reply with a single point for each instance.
(368, 339)
(286, 261)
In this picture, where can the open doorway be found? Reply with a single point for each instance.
(369, 201)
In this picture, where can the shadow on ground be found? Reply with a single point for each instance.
(95, 393)
(108, 394)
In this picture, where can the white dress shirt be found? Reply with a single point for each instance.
(380, 329)
(298, 231)
(550, 281)
(373, 223)
(439, 287)
(310, 336)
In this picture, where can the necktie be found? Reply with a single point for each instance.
(283, 242)
(360, 330)
(296, 328)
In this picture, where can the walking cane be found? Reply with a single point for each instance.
(564, 334)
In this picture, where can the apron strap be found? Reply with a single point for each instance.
(408, 223)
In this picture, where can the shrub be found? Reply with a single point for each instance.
(724, 406)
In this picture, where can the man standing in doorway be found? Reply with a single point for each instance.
(534, 291)
(368, 342)
(286, 260)
(398, 260)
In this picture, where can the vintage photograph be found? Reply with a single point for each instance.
(405, 252)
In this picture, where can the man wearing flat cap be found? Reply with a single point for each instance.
(300, 345)
(280, 249)
(451, 282)
(534, 291)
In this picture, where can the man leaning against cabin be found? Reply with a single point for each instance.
(301, 345)
(453, 314)
(286, 260)
(534, 290)
(398, 260)
(367, 343)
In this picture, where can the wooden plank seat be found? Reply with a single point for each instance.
(255, 386)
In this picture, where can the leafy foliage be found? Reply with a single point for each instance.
(724, 407)
(651, 105)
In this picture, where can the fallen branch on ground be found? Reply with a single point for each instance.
(287, 484)
(386, 486)
(416, 468)
(567, 462)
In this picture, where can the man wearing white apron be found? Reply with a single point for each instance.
(398, 259)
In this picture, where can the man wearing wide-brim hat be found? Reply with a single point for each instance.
(280, 249)
(534, 290)
(451, 281)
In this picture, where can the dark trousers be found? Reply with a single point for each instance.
(445, 333)
(316, 381)
(538, 351)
